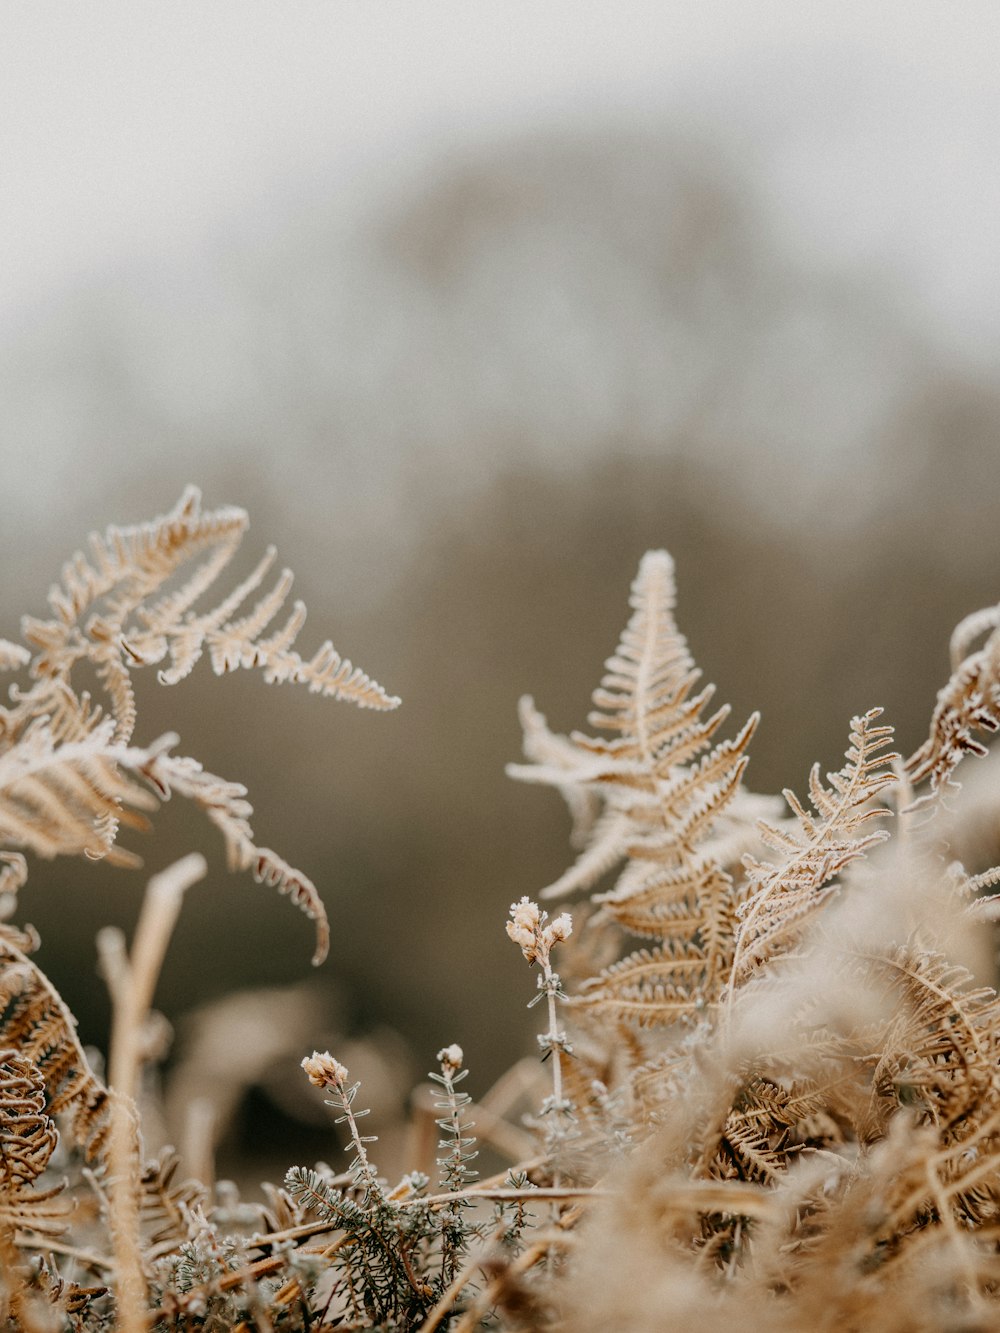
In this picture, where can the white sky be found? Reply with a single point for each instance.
(129, 127)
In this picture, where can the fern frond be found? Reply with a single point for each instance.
(35, 1022)
(941, 1043)
(667, 901)
(666, 786)
(27, 1141)
(167, 1205)
(126, 628)
(781, 896)
(27, 1134)
(650, 668)
(651, 986)
(67, 798)
(691, 824)
(968, 702)
(67, 769)
(752, 1151)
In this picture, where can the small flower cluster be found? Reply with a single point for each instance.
(451, 1058)
(323, 1071)
(527, 928)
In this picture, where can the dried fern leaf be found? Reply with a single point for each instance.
(167, 1206)
(127, 628)
(666, 786)
(969, 702)
(27, 1141)
(67, 798)
(35, 1022)
(651, 986)
(67, 769)
(779, 897)
(940, 1047)
(651, 666)
(27, 1134)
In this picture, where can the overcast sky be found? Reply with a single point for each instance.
(130, 129)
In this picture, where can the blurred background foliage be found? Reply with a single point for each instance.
(462, 408)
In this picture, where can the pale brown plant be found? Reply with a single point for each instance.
(775, 1083)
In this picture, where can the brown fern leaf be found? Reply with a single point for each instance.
(640, 777)
(967, 703)
(663, 901)
(650, 987)
(666, 787)
(27, 1141)
(166, 1204)
(27, 1134)
(35, 1022)
(940, 1045)
(650, 673)
(68, 798)
(67, 769)
(780, 897)
(125, 628)
(755, 1141)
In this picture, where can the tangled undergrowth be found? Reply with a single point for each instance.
(771, 1081)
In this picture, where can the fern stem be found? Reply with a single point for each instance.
(132, 982)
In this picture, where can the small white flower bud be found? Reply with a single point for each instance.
(560, 929)
(452, 1056)
(323, 1070)
(526, 914)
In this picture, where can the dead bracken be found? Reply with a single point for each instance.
(768, 1092)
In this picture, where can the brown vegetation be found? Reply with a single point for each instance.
(769, 1088)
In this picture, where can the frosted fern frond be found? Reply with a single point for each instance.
(27, 1134)
(68, 768)
(667, 786)
(651, 987)
(969, 702)
(35, 1022)
(651, 671)
(27, 1141)
(168, 1205)
(127, 625)
(68, 798)
(941, 1039)
(781, 896)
